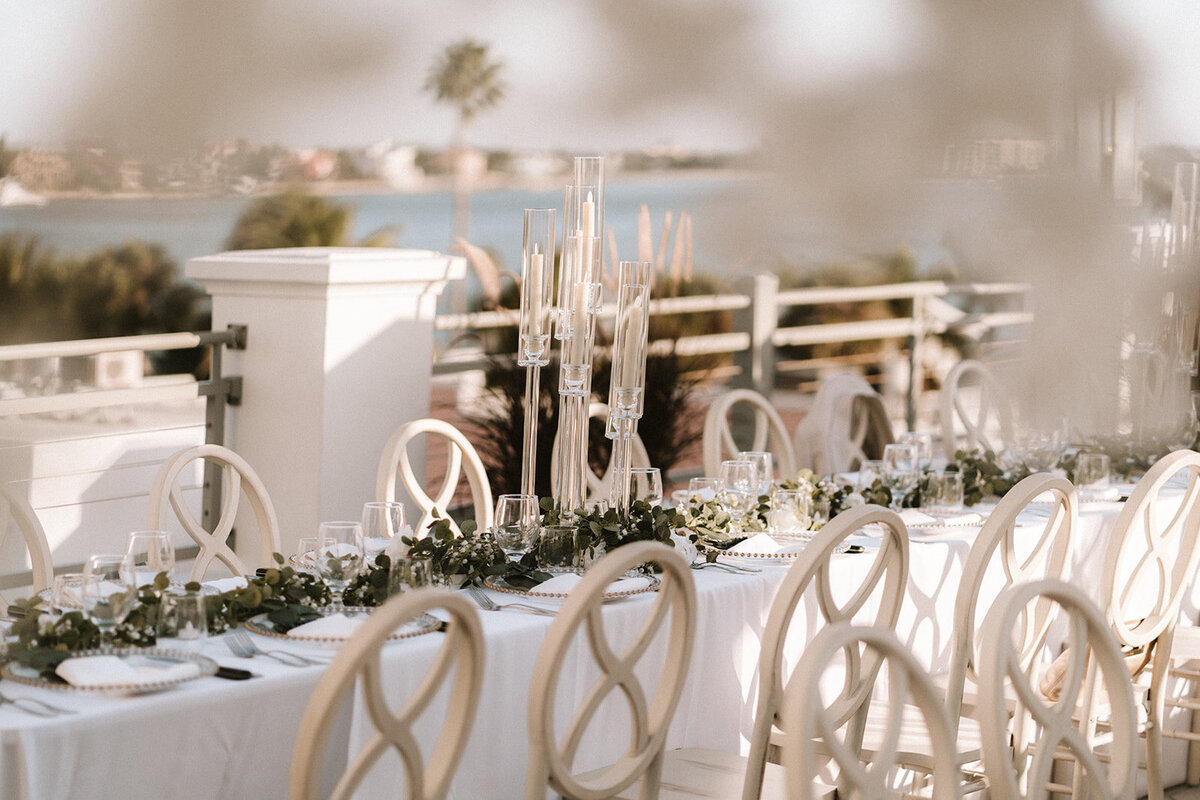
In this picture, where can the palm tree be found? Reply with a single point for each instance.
(465, 77)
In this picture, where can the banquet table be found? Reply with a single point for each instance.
(225, 739)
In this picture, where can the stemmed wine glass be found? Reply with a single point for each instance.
(900, 471)
(764, 464)
(517, 517)
(645, 484)
(739, 488)
(339, 557)
(107, 592)
(382, 523)
(151, 552)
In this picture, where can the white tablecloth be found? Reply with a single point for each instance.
(214, 738)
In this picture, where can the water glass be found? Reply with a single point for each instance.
(66, 594)
(1091, 474)
(869, 471)
(924, 444)
(705, 489)
(517, 517)
(382, 523)
(946, 490)
(764, 464)
(339, 558)
(151, 552)
(557, 546)
(790, 514)
(739, 487)
(645, 484)
(184, 619)
(900, 471)
(108, 592)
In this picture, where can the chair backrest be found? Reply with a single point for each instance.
(813, 729)
(1166, 552)
(888, 574)
(846, 424)
(988, 425)
(1093, 654)
(1048, 556)
(462, 458)
(15, 508)
(769, 433)
(237, 477)
(599, 487)
(551, 759)
(358, 661)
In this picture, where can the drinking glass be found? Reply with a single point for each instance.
(946, 490)
(306, 552)
(645, 484)
(517, 516)
(67, 593)
(340, 557)
(900, 471)
(1091, 474)
(791, 511)
(185, 620)
(108, 592)
(704, 489)
(764, 463)
(382, 522)
(739, 487)
(151, 553)
(924, 443)
(869, 471)
(556, 546)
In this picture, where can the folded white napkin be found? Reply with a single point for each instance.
(334, 626)
(915, 518)
(762, 544)
(114, 670)
(223, 585)
(563, 584)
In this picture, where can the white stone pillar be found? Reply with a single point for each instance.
(339, 348)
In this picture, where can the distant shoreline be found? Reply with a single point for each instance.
(435, 184)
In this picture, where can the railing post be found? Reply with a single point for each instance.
(916, 371)
(760, 320)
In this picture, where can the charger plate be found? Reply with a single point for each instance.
(414, 627)
(146, 656)
(498, 584)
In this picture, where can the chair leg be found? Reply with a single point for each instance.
(1193, 762)
(1159, 667)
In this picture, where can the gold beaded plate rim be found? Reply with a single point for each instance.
(14, 671)
(425, 623)
(497, 583)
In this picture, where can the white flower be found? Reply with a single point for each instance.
(853, 500)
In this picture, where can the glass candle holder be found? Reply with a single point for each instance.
(626, 394)
(537, 282)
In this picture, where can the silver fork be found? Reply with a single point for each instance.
(242, 646)
(39, 708)
(724, 566)
(488, 604)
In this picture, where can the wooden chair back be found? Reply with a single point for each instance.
(1094, 656)
(988, 426)
(237, 478)
(15, 509)
(770, 434)
(462, 458)
(551, 759)
(813, 727)
(358, 662)
(888, 574)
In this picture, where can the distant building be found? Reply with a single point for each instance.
(986, 158)
(131, 175)
(41, 170)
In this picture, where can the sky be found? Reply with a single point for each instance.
(580, 74)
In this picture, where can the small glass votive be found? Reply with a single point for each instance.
(557, 546)
(705, 489)
(820, 512)
(946, 490)
(307, 548)
(1092, 474)
(869, 471)
(790, 514)
(184, 620)
(66, 593)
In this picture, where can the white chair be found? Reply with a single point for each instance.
(599, 487)
(1095, 660)
(1167, 552)
(701, 772)
(15, 508)
(769, 433)
(358, 661)
(813, 725)
(395, 463)
(846, 425)
(237, 477)
(551, 758)
(987, 423)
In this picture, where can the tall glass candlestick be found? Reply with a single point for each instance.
(627, 387)
(533, 353)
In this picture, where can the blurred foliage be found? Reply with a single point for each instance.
(291, 219)
(464, 76)
(7, 156)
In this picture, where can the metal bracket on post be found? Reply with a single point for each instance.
(220, 391)
(239, 334)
